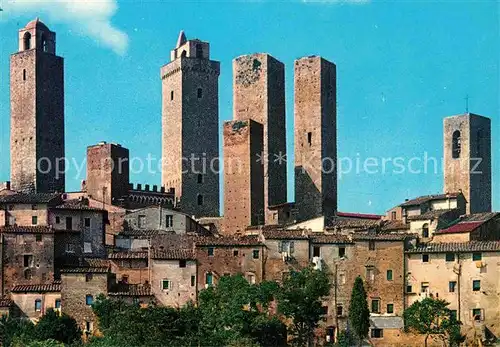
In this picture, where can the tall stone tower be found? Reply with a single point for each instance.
(37, 112)
(243, 175)
(467, 159)
(315, 106)
(107, 172)
(190, 137)
(259, 94)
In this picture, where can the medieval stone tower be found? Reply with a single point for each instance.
(315, 104)
(259, 94)
(37, 112)
(190, 137)
(467, 159)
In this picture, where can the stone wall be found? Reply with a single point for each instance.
(182, 288)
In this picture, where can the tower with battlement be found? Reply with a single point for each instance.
(190, 137)
(37, 112)
(467, 159)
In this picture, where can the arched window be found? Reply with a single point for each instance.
(183, 54)
(27, 40)
(456, 144)
(200, 199)
(44, 43)
(425, 230)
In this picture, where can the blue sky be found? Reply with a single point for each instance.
(401, 68)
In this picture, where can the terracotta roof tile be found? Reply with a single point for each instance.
(78, 205)
(6, 303)
(354, 224)
(34, 229)
(131, 290)
(332, 238)
(38, 288)
(244, 240)
(33, 198)
(283, 234)
(394, 225)
(92, 265)
(471, 246)
(173, 254)
(431, 214)
(128, 255)
(479, 217)
(426, 198)
(359, 215)
(361, 236)
(462, 227)
(144, 233)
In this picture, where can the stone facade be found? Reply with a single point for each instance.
(259, 94)
(467, 159)
(190, 112)
(131, 267)
(37, 112)
(244, 187)
(315, 107)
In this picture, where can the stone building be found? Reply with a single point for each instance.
(32, 301)
(315, 107)
(467, 159)
(474, 227)
(190, 111)
(259, 95)
(130, 267)
(37, 112)
(244, 186)
(465, 274)
(27, 209)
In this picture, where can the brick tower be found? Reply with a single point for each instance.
(190, 137)
(467, 159)
(37, 112)
(259, 94)
(315, 106)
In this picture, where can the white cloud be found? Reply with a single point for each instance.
(88, 17)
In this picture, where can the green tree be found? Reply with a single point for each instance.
(359, 314)
(59, 328)
(15, 330)
(300, 300)
(432, 317)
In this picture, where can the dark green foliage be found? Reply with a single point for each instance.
(359, 314)
(432, 317)
(300, 299)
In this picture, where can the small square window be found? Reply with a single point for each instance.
(425, 258)
(58, 219)
(193, 281)
(210, 251)
(477, 256)
(28, 260)
(209, 278)
(324, 310)
(166, 284)
(87, 222)
(409, 289)
(476, 285)
(38, 237)
(255, 254)
(371, 245)
(235, 252)
(38, 305)
(390, 308)
(340, 310)
(377, 333)
(477, 314)
(182, 263)
(88, 276)
(33, 207)
(11, 207)
(341, 252)
(370, 274)
(450, 256)
(34, 220)
(89, 299)
(57, 303)
(389, 275)
(424, 287)
(375, 306)
(169, 221)
(451, 286)
(316, 251)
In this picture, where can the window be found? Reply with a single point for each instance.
(370, 273)
(425, 258)
(27, 41)
(210, 251)
(125, 279)
(193, 281)
(200, 178)
(34, 220)
(377, 333)
(255, 254)
(375, 306)
(456, 145)
(88, 327)
(88, 277)
(341, 252)
(309, 138)
(24, 74)
(38, 237)
(476, 285)
(450, 256)
(89, 299)
(200, 93)
(286, 246)
(389, 275)
(11, 207)
(70, 248)
(33, 207)
(182, 263)
(251, 278)
(316, 251)
(141, 221)
(28, 260)
(28, 274)
(409, 289)
(342, 278)
(235, 252)
(424, 287)
(451, 286)
(169, 221)
(393, 215)
(87, 222)
(171, 95)
(371, 245)
(425, 230)
(477, 256)
(58, 219)
(477, 314)
(38, 305)
(87, 247)
(209, 278)
(390, 308)
(57, 303)
(44, 43)
(199, 51)
(166, 285)
(340, 310)
(200, 199)
(324, 310)
(69, 223)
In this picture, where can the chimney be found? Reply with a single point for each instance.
(405, 215)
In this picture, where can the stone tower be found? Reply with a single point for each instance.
(243, 175)
(467, 159)
(107, 172)
(190, 137)
(37, 112)
(315, 104)
(259, 94)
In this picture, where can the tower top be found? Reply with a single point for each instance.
(36, 35)
(36, 23)
(190, 48)
(181, 40)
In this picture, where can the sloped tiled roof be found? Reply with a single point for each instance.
(131, 290)
(172, 254)
(34, 229)
(479, 217)
(330, 238)
(128, 255)
(144, 233)
(394, 225)
(430, 214)
(361, 236)
(462, 227)
(245, 240)
(76, 204)
(471, 246)
(353, 223)
(32, 198)
(37, 288)
(359, 215)
(426, 198)
(93, 265)
(281, 234)
(6, 303)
